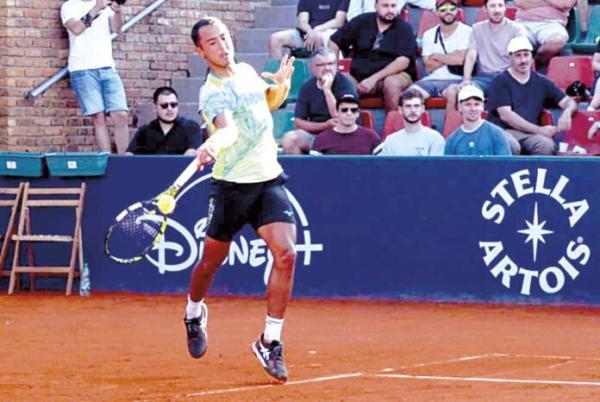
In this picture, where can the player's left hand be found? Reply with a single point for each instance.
(284, 74)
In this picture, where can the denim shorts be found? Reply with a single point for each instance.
(99, 90)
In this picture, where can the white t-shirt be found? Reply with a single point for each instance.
(358, 7)
(425, 142)
(93, 47)
(459, 40)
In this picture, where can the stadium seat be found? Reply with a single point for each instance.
(588, 46)
(511, 14)
(564, 70)
(435, 102)
(546, 118)
(366, 119)
(299, 77)
(344, 65)
(394, 122)
(283, 121)
(472, 3)
(575, 141)
(404, 15)
(371, 102)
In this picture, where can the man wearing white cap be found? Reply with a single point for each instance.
(476, 136)
(516, 102)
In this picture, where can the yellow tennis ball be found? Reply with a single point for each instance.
(166, 204)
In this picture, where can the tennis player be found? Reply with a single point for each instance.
(247, 185)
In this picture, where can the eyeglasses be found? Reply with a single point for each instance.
(329, 64)
(378, 40)
(349, 109)
(167, 104)
(446, 8)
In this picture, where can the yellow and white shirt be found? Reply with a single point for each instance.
(252, 156)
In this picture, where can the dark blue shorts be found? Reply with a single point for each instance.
(232, 205)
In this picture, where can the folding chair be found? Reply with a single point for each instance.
(47, 198)
(11, 198)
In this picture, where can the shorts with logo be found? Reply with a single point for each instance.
(98, 90)
(232, 205)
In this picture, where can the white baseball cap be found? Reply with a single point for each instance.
(519, 43)
(470, 91)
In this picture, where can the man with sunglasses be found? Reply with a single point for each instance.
(347, 137)
(444, 49)
(169, 133)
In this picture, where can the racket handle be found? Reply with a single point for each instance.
(186, 174)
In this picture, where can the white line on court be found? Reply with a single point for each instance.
(263, 386)
(485, 379)
(593, 359)
(455, 360)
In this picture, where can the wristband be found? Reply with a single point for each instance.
(87, 20)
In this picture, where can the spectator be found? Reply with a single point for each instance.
(476, 136)
(383, 52)
(486, 50)
(316, 105)
(91, 66)
(358, 7)
(583, 12)
(347, 137)
(414, 138)
(545, 22)
(595, 102)
(317, 20)
(516, 102)
(168, 133)
(444, 48)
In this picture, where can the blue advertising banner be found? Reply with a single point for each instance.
(462, 229)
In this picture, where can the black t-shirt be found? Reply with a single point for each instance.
(311, 104)
(320, 11)
(527, 100)
(150, 140)
(358, 38)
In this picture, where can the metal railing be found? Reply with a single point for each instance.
(34, 93)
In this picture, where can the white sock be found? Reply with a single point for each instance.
(273, 328)
(193, 309)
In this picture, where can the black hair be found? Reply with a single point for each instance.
(202, 23)
(163, 91)
(411, 94)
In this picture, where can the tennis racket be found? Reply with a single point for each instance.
(141, 226)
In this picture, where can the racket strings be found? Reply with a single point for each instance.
(135, 233)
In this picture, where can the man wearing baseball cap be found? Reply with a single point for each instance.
(476, 136)
(516, 102)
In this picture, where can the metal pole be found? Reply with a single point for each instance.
(34, 93)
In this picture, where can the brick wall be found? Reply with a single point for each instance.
(34, 46)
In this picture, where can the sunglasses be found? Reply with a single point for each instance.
(349, 109)
(167, 104)
(446, 8)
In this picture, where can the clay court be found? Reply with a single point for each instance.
(127, 347)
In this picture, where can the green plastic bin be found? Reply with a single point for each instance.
(77, 163)
(24, 164)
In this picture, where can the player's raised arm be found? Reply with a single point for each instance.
(277, 93)
(225, 133)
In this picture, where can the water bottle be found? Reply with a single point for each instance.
(84, 282)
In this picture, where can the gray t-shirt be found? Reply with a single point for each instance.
(492, 56)
(424, 142)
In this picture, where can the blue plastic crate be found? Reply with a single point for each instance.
(77, 163)
(24, 164)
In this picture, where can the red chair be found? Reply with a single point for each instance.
(437, 102)
(473, 3)
(371, 102)
(344, 65)
(565, 70)
(511, 14)
(546, 118)
(367, 120)
(429, 19)
(404, 15)
(394, 122)
(576, 139)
